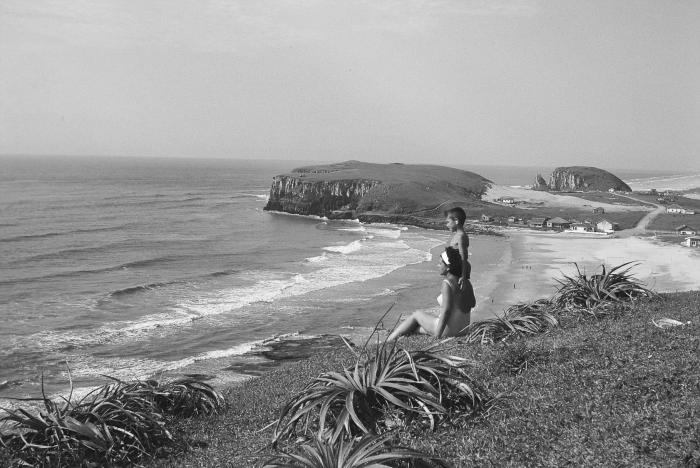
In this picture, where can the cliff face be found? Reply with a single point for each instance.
(578, 178)
(353, 188)
(316, 197)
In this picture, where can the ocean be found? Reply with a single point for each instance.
(130, 267)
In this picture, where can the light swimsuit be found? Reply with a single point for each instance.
(458, 318)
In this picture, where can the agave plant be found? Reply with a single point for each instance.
(611, 286)
(518, 320)
(185, 397)
(103, 427)
(371, 451)
(354, 400)
(118, 423)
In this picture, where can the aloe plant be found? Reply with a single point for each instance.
(518, 320)
(118, 423)
(611, 286)
(371, 451)
(354, 400)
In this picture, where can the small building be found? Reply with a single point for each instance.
(486, 218)
(598, 210)
(538, 223)
(606, 226)
(685, 230)
(675, 209)
(693, 241)
(558, 223)
(508, 200)
(580, 227)
(515, 220)
(611, 190)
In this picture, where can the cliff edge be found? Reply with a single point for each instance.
(354, 189)
(580, 178)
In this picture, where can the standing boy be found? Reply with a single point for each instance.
(454, 220)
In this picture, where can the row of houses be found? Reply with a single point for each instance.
(561, 224)
(677, 209)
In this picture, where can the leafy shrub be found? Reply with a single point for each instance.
(598, 291)
(354, 400)
(369, 451)
(185, 397)
(518, 320)
(118, 423)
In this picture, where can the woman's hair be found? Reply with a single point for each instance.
(454, 261)
(458, 214)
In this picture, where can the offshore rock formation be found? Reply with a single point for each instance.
(294, 194)
(352, 189)
(580, 179)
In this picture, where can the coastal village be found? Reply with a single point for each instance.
(598, 224)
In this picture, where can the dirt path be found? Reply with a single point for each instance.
(643, 223)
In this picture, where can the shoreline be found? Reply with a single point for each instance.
(522, 272)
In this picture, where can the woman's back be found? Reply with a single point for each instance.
(459, 313)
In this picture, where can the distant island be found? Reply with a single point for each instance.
(418, 195)
(580, 179)
(403, 193)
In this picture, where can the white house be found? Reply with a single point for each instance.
(580, 227)
(693, 241)
(685, 230)
(606, 226)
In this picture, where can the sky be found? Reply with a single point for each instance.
(609, 83)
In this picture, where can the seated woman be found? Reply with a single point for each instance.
(454, 304)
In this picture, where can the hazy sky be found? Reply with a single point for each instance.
(607, 83)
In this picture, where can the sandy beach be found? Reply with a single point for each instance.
(535, 260)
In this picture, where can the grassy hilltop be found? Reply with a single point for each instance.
(613, 391)
(595, 375)
(375, 189)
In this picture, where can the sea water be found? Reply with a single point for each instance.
(130, 267)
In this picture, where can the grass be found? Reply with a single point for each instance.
(607, 197)
(669, 222)
(613, 391)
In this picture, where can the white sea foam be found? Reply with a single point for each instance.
(318, 258)
(391, 232)
(353, 246)
(374, 260)
(359, 261)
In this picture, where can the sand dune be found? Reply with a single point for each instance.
(546, 199)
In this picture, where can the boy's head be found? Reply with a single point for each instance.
(455, 217)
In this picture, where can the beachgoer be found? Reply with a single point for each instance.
(454, 308)
(454, 220)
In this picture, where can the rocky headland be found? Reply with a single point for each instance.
(580, 179)
(398, 193)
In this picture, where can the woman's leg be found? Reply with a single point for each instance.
(417, 320)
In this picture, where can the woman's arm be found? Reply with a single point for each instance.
(446, 309)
